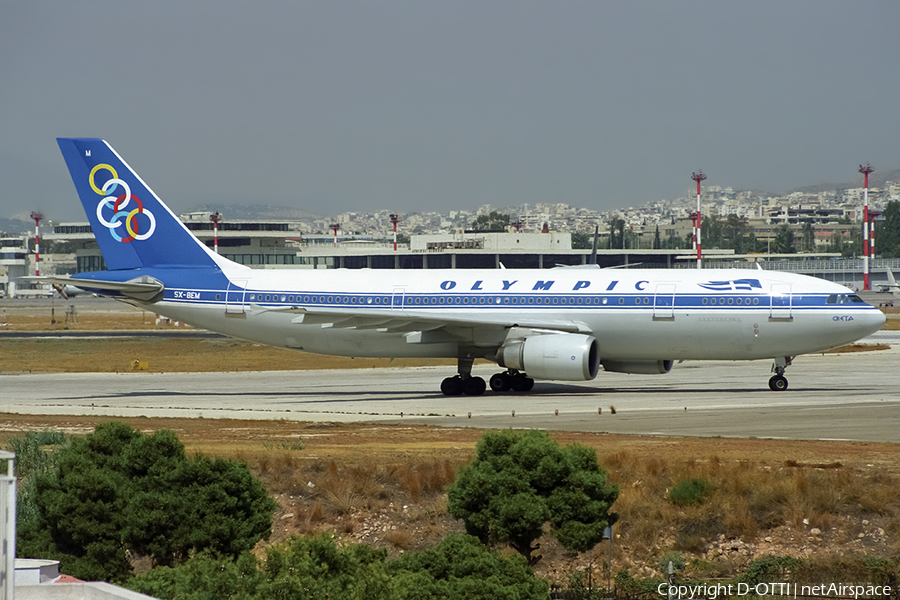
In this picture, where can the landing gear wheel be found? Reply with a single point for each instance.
(452, 386)
(473, 386)
(778, 383)
(520, 383)
(501, 382)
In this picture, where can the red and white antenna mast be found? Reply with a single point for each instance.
(215, 218)
(698, 177)
(394, 220)
(37, 242)
(865, 170)
(335, 227)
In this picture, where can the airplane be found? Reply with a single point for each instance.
(891, 286)
(562, 323)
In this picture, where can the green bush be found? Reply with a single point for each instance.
(119, 490)
(520, 481)
(690, 492)
(459, 568)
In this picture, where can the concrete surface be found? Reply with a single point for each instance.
(835, 396)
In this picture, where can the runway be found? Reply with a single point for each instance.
(834, 396)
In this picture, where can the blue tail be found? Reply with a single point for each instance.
(133, 227)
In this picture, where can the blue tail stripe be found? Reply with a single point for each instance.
(133, 227)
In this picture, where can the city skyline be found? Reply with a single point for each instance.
(420, 106)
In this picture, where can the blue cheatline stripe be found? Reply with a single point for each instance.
(507, 301)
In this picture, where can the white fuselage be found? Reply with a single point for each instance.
(636, 314)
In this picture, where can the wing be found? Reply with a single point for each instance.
(424, 327)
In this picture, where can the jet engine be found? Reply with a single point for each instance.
(639, 367)
(567, 356)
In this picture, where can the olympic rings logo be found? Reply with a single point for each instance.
(118, 204)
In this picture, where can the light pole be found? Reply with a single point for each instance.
(865, 170)
(335, 227)
(215, 218)
(698, 177)
(37, 242)
(394, 220)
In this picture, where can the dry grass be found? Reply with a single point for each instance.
(365, 473)
(751, 497)
(174, 355)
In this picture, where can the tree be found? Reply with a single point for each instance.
(519, 481)
(809, 238)
(888, 231)
(461, 567)
(582, 240)
(117, 489)
(783, 242)
(616, 240)
(492, 222)
(837, 242)
(734, 231)
(711, 232)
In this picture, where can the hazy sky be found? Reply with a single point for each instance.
(335, 106)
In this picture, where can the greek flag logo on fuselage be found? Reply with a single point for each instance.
(734, 285)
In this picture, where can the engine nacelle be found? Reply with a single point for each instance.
(639, 367)
(567, 356)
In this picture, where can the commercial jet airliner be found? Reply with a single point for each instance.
(554, 324)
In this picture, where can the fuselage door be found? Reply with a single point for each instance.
(397, 298)
(780, 302)
(664, 302)
(234, 297)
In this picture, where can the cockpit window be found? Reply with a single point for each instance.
(843, 299)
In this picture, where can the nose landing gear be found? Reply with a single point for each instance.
(778, 382)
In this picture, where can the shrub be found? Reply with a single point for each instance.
(690, 492)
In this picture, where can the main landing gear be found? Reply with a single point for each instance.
(778, 382)
(511, 380)
(464, 383)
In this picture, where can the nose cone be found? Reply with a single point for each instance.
(869, 321)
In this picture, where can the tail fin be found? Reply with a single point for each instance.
(132, 225)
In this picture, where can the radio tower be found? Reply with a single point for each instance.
(394, 220)
(865, 170)
(698, 177)
(37, 242)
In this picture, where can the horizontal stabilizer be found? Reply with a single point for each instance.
(144, 288)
